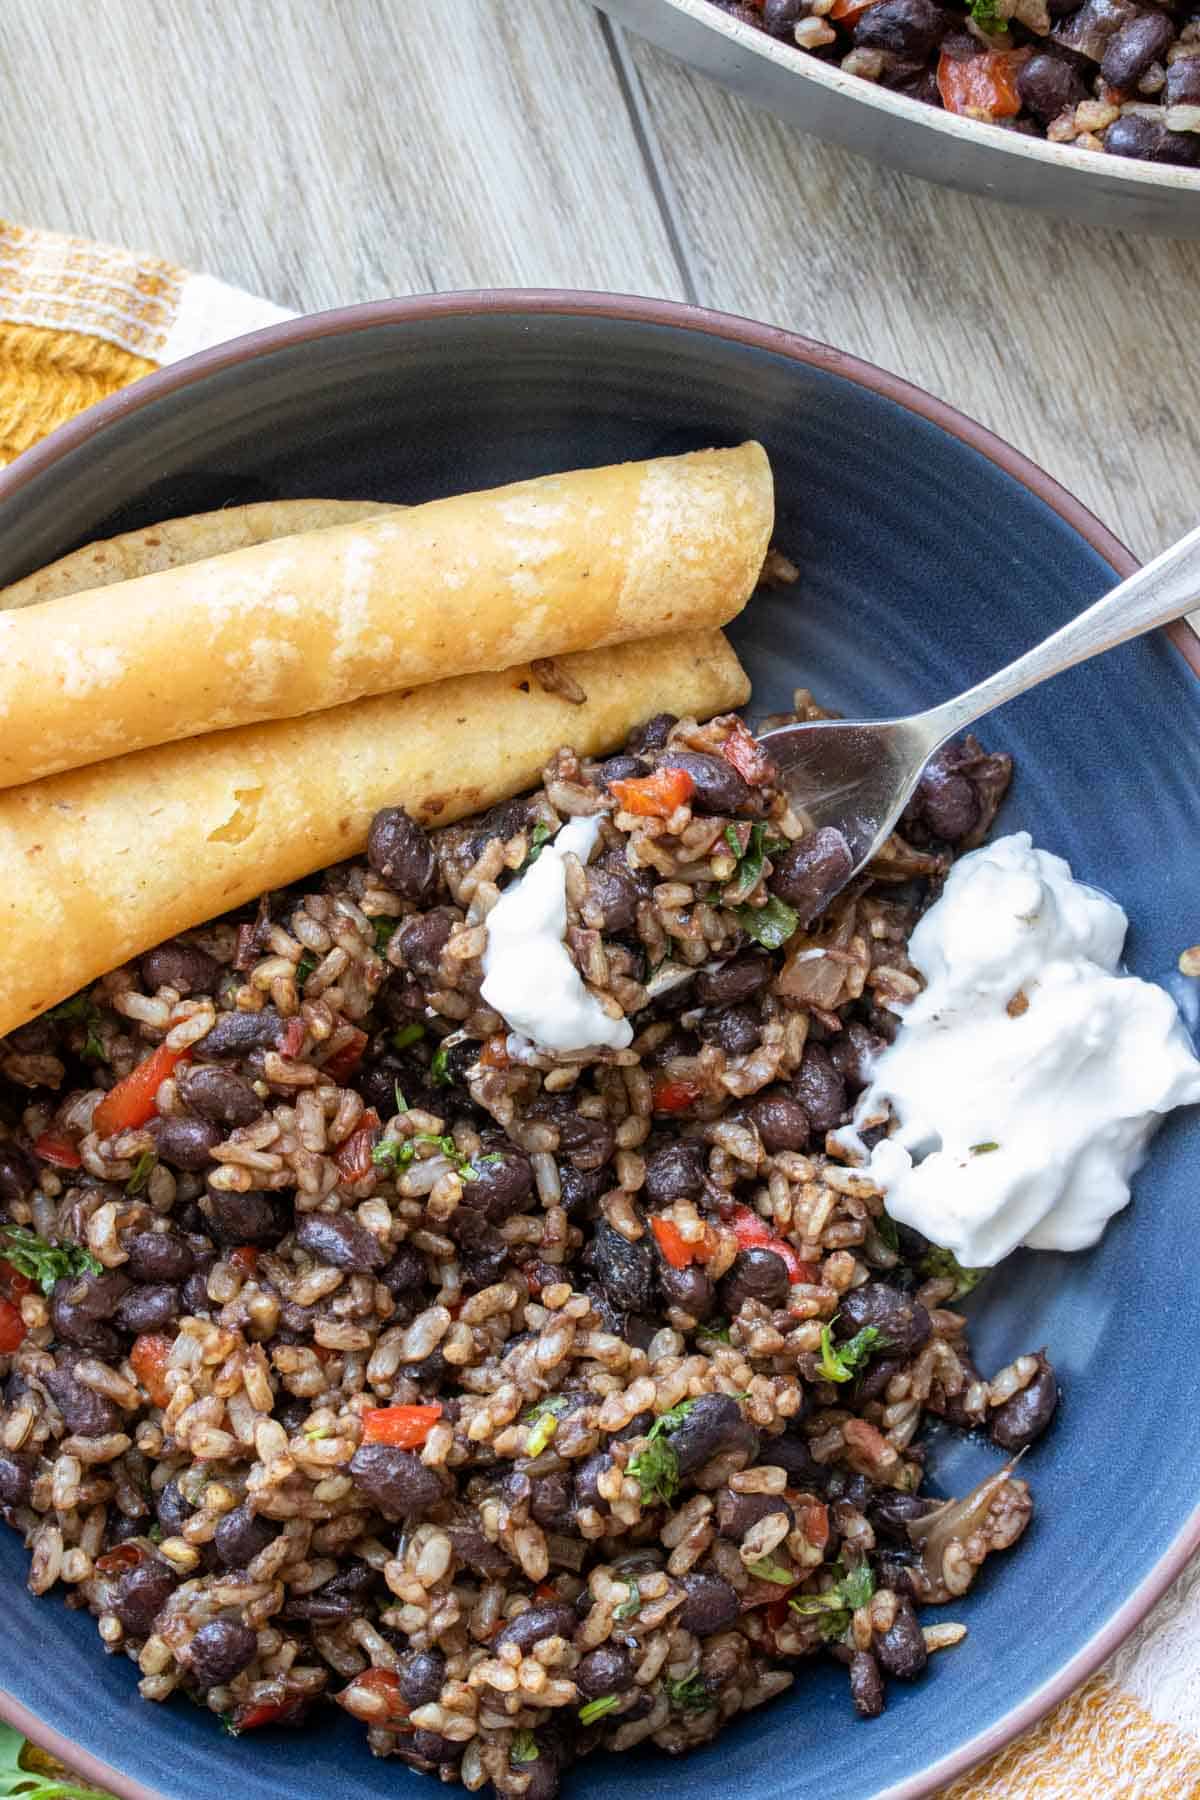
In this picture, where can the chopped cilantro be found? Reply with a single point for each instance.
(988, 17)
(656, 1471)
(408, 1034)
(943, 1265)
(629, 1608)
(717, 1330)
(852, 1588)
(523, 1749)
(385, 930)
(143, 1168)
(401, 1102)
(93, 1050)
(596, 1709)
(885, 1231)
(226, 1719)
(394, 1154)
(541, 1434)
(78, 1008)
(42, 1262)
(155, 1533)
(689, 1694)
(750, 867)
(439, 1074)
(540, 835)
(767, 1570)
(985, 1148)
(842, 1362)
(304, 969)
(555, 1404)
(671, 1421)
(770, 925)
(733, 840)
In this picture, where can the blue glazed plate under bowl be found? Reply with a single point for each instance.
(929, 554)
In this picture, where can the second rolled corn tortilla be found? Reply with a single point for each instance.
(104, 862)
(542, 568)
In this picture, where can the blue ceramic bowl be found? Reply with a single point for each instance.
(930, 553)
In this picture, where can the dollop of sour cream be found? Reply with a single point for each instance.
(528, 976)
(1029, 1075)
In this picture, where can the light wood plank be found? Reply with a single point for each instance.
(1081, 347)
(333, 150)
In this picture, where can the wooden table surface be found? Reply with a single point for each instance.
(338, 150)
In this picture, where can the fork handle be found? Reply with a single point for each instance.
(1164, 590)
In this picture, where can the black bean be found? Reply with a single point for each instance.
(901, 1649)
(504, 1181)
(1183, 83)
(689, 1289)
(96, 1296)
(756, 1275)
(587, 1474)
(502, 821)
(17, 1470)
(16, 1174)
(625, 1271)
(85, 1413)
(150, 1307)
(780, 17)
(675, 1172)
(588, 1142)
(818, 1086)
(780, 1120)
(195, 1288)
(38, 1038)
(710, 1605)
(790, 1452)
(422, 941)
(406, 1273)
(872, 1385)
(241, 1535)
(544, 1619)
(737, 1030)
(75, 1325)
(581, 1188)
(718, 788)
(171, 1509)
(1048, 85)
(396, 1481)
(899, 1318)
(184, 967)
(434, 1371)
(866, 1683)
(1023, 1418)
(809, 873)
(183, 1142)
(653, 734)
(552, 1501)
(250, 1218)
(219, 1095)
(890, 1514)
(220, 1650)
(614, 891)
(544, 1773)
(378, 1079)
(608, 1670)
(1130, 52)
(734, 981)
(677, 1042)
(712, 1423)
(911, 28)
(622, 768)
(736, 1513)
(421, 1676)
(477, 1553)
(852, 1051)
(141, 1594)
(484, 1251)
(339, 1240)
(119, 1528)
(236, 1032)
(401, 852)
(159, 1256)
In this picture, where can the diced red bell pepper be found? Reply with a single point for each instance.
(404, 1427)
(815, 1524)
(753, 1233)
(120, 1558)
(12, 1327)
(744, 753)
(287, 1711)
(385, 1684)
(291, 1041)
(343, 1062)
(494, 1054)
(679, 1251)
(670, 1095)
(849, 12)
(245, 1258)
(131, 1102)
(354, 1156)
(654, 796)
(56, 1148)
(981, 87)
(149, 1358)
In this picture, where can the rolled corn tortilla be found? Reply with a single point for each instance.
(175, 542)
(104, 862)
(462, 585)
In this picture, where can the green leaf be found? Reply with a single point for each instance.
(79, 1010)
(767, 1570)
(671, 1421)
(842, 1362)
(539, 836)
(401, 1102)
(717, 1330)
(406, 1035)
(78, 1007)
(523, 1748)
(689, 1694)
(984, 13)
(656, 1470)
(885, 1231)
(439, 1074)
(155, 1533)
(770, 925)
(143, 1168)
(304, 969)
(93, 1050)
(554, 1404)
(393, 1154)
(28, 1783)
(43, 1262)
(942, 1265)
(745, 877)
(629, 1609)
(853, 1588)
(596, 1709)
(984, 1149)
(385, 931)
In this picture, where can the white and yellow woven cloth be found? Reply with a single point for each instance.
(80, 320)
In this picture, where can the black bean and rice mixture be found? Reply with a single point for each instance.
(523, 1406)
(1121, 76)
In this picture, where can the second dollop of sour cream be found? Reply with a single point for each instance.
(1029, 1075)
(528, 976)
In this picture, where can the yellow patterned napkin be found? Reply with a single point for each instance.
(78, 321)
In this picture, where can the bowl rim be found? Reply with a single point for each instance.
(534, 303)
(1129, 172)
